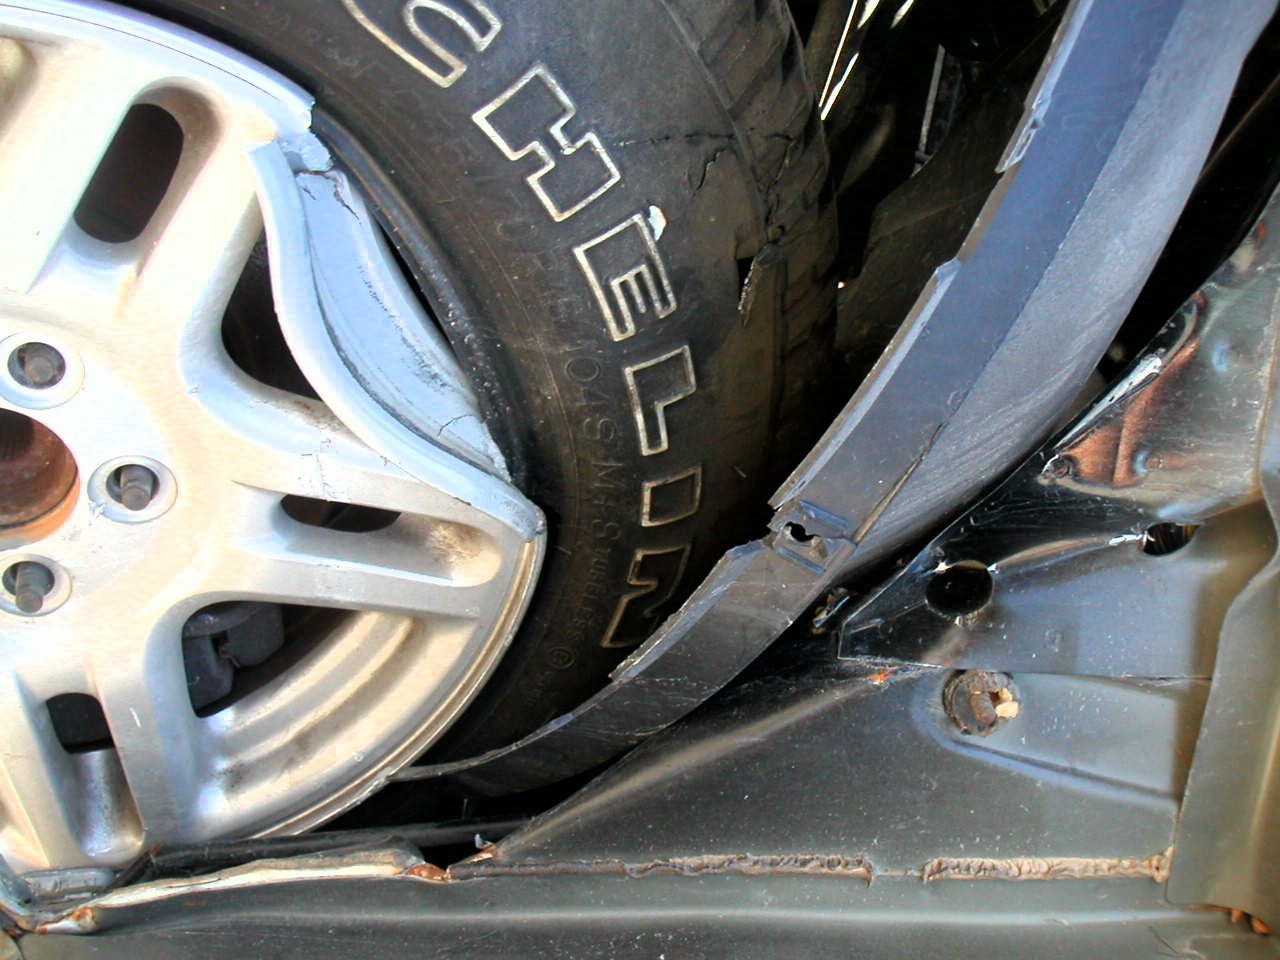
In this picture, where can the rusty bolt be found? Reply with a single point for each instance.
(979, 701)
(30, 583)
(136, 486)
(37, 365)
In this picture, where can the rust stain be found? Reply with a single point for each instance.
(1155, 867)
(82, 920)
(1236, 916)
(741, 864)
(489, 864)
(429, 871)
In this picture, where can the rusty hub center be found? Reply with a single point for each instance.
(37, 472)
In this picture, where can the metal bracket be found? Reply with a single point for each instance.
(1084, 562)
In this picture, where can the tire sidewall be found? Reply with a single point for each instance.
(549, 150)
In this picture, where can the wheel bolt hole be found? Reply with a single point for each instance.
(29, 583)
(37, 366)
(960, 589)
(133, 486)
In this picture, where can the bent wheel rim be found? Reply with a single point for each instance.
(426, 604)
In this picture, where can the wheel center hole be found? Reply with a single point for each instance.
(37, 477)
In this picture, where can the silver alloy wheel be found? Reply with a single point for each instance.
(146, 384)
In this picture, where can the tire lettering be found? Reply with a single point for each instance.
(605, 479)
(606, 529)
(653, 386)
(442, 29)
(623, 267)
(582, 369)
(590, 398)
(675, 498)
(602, 429)
(656, 574)
(573, 172)
(625, 272)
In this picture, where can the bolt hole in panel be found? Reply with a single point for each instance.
(960, 589)
(1162, 539)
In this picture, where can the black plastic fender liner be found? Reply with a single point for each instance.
(660, 683)
(1117, 128)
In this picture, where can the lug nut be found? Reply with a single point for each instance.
(37, 365)
(135, 486)
(30, 583)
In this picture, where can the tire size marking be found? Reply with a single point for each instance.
(438, 27)
(625, 272)
(516, 120)
(653, 386)
(656, 574)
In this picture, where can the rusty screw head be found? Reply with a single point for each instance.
(978, 701)
(29, 582)
(37, 365)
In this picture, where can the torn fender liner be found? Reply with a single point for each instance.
(1121, 119)
(1086, 499)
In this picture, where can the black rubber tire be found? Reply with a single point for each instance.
(706, 112)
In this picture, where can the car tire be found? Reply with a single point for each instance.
(618, 212)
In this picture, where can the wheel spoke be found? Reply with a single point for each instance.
(37, 781)
(50, 149)
(160, 742)
(383, 571)
(291, 445)
(439, 557)
(203, 233)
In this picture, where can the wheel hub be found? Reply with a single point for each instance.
(37, 473)
(147, 478)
